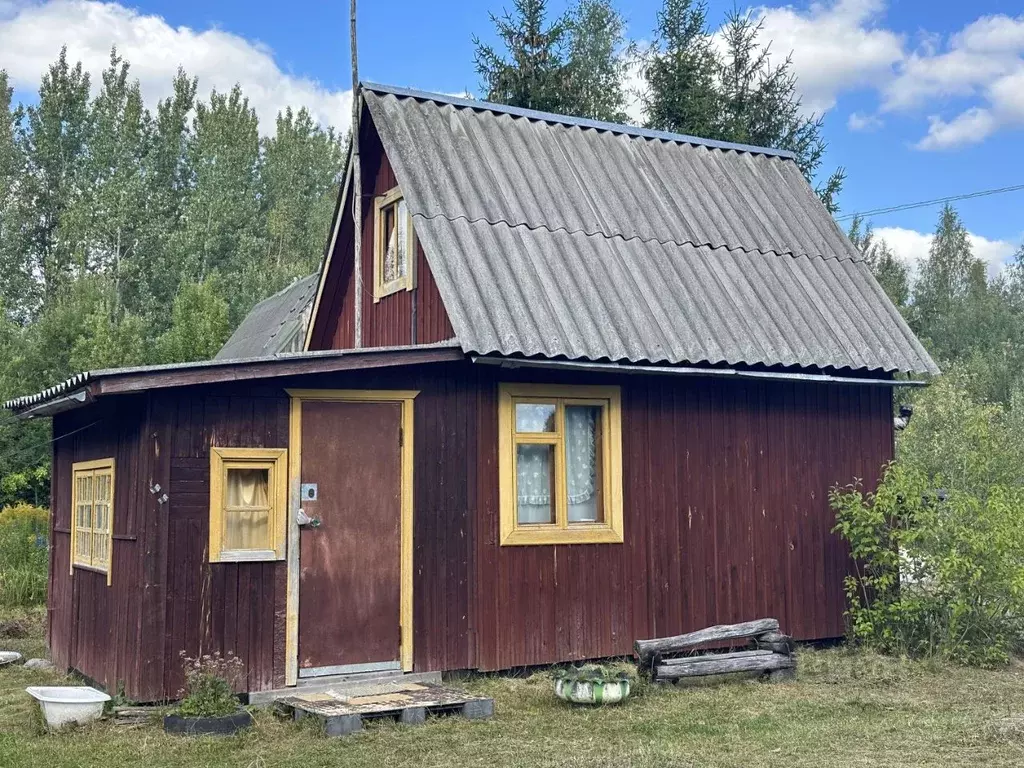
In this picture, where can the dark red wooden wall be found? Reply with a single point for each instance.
(92, 627)
(405, 317)
(726, 518)
(225, 607)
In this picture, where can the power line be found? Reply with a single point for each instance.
(936, 201)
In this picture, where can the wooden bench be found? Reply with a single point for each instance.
(771, 656)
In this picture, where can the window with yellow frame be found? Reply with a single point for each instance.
(560, 464)
(92, 523)
(393, 245)
(248, 504)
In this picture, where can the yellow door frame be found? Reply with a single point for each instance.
(298, 396)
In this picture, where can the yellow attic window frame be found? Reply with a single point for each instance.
(394, 255)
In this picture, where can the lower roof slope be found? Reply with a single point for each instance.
(556, 237)
(513, 290)
(274, 325)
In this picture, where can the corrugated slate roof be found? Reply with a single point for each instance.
(276, 324)
(559, 237)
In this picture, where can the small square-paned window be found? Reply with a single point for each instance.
(248, 499)
(393, 245)
(92, 515)
(560, 464)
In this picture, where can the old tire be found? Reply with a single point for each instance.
(225, 725)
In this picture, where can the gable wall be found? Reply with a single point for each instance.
(406, 317)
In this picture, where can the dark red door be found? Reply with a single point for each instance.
(350, 566)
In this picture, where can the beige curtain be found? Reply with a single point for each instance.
(247, 513)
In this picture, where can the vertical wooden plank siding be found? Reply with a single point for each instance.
(726, 518)
(391, 321)
(219, 607)
(92, 627)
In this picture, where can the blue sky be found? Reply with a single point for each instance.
(922, 99)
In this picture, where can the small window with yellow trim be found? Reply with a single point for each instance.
(560, 464)
(92, 524)
(393, 245)
(248, 502)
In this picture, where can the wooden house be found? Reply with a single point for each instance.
(586, 383)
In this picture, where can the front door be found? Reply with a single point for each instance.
(350, 570)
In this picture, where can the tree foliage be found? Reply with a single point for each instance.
(939, 548)
(130, 236)
(891, 272)
(573, 65)
(729, 88)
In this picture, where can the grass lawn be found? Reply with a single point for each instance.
(845, 709)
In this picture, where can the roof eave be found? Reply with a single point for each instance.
(142, 379)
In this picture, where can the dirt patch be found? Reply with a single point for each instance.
(14, 629)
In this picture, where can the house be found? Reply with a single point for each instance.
(587, 383)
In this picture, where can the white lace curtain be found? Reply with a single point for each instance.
(535, 480)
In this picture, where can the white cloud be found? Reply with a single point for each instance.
(969, 127)
(860, 122)
(31, 35)
(836, 47)
(913, 246)
(983, 62)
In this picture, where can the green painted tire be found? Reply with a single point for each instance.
(592, 693)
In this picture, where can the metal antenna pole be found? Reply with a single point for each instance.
(357, 186)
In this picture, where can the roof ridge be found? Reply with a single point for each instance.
(580, 122)
(645, 240)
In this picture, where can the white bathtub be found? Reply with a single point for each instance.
(68, 704)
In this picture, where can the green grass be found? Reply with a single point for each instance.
(845, 709)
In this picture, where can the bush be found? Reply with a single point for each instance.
(24, 555)
(209, 685)
(938, 573)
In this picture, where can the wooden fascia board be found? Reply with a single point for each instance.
(135, 382)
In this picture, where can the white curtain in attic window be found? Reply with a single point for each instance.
(247, 513)
(396, 258)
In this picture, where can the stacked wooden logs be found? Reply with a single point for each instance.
(771, 654)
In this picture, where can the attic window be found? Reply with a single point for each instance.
(393, 245)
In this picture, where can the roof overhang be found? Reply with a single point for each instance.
(86, 387)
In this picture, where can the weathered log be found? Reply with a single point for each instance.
(646, 650)
(716, 657)
(705, 666)
(774, 641)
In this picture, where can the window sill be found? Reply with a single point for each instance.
(383, 291)
(91, 568)
(596, 534)
(248, 556)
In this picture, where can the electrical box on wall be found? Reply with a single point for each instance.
(308, 492)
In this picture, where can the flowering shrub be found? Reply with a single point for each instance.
(209, 685)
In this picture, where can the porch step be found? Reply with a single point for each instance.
(345, 713)
(340, 684)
